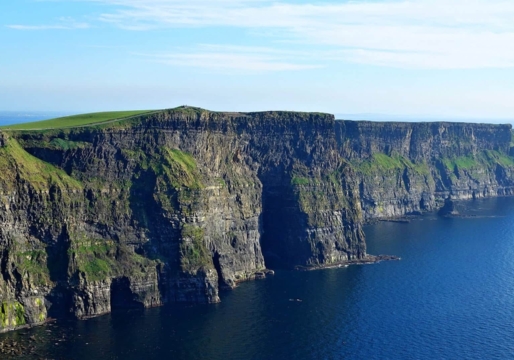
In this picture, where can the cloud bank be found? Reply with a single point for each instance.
(421, 34)
(234, 58)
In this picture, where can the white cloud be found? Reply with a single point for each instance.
(46, 27)
(443, 34)
(234, 58)
(64, 23)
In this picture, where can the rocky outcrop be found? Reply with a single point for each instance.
(449, 208)
(174, 205)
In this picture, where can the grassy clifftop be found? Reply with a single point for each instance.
(128, 118)
(77, 120)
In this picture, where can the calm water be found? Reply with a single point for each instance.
(451, 297)
(17, 117)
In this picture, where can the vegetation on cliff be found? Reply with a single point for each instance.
(76, 120)
(12, 314)
(483, 158)
(194, 254)
(380, 163)
(16, 165)
(140, 209)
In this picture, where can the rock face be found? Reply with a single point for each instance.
(172, 206)
(407, 168)
(449, 208)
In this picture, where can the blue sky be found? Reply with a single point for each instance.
(417, 58)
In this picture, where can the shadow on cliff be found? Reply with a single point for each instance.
(281, 223)
(57, 264)
(122, 297)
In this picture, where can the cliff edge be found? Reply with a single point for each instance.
(173, 205)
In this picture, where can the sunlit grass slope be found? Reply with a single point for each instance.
(76, 120)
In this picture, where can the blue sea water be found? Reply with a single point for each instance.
(18, 117)
(450, 297)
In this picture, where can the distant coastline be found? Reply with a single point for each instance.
(420, 118)
(15, 117)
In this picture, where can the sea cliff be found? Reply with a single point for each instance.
(407, 168)
(174, 205)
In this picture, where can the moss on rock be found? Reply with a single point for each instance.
(12, 314)
(193, 252)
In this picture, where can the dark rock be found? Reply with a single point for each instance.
(407, 168)
(260, 275)
(449, 208)
(172, 206)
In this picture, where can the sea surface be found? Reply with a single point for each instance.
(18, 117)
(450, 297)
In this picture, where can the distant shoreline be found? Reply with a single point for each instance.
(420, 118)
(17, 117)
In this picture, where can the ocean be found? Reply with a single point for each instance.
(450, 297)
(17, 117)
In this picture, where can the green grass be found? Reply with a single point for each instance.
(97, 269)
(177, 168)
(11, 314)
(484, 158)
(181, 169)
(62, 144)
(95, 258)
(296, 180)
(499, 158)
(16, 162)
(100, 259)
(461, 162)
(54, 144)
(76, 120)
(185, 160)
(380, 163)
(193, 253)
(34, 264)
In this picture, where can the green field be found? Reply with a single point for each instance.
(76, 120)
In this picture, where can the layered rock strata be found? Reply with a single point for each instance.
(174, 205)
(407, 168)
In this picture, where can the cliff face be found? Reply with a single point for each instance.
(405, 168)
(169, 207)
